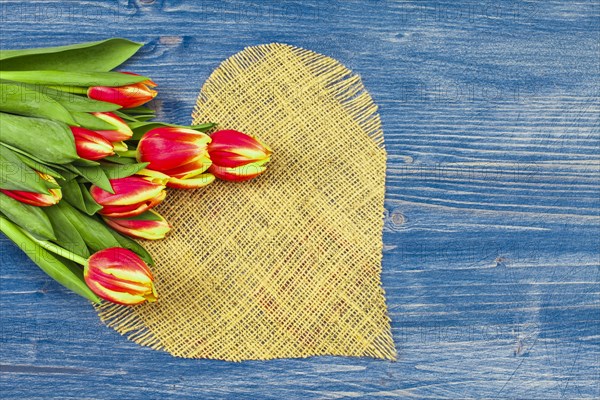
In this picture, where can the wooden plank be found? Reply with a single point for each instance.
(491, 261)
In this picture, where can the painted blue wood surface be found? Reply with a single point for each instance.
(491, 263)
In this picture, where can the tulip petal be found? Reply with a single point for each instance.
(122, 298)
(90, 145)
(113, 136)
(121, 132)
(151, 229)
(243, 173)
(190, 169)
(191, 183)
(117, 256)
(132, 210)
(231, 159)
(128, 191)
(108, 280)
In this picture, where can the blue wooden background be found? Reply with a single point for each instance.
(491, 262)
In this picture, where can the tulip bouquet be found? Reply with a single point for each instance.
(82, 164)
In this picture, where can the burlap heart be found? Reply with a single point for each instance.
(286, 265)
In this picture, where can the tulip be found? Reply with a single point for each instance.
(128, 96)
(120, 276)
(237, 156)
(179, 153)
(120, 133)
(132, 196)
(90, 145)
(150, 225)
(37, 199)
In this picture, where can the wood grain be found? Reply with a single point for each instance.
(492, 253)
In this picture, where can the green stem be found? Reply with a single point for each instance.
(67, 274)
(9, 229)
(127, 153)
(203, 127)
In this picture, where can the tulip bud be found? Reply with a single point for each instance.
(36, 199)
(133, 196)
(128, 96)
(179, 153)
(149, 225)
(120, 276)
(237, 156)
(120, 133)
(90, 145)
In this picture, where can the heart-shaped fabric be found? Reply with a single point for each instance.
(288, 264)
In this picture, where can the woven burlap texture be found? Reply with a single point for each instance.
(288, 264)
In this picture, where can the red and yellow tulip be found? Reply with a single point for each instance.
(128, 96)
(133, 196)
(236, 156)
(149, 225)
(120, 133)
(36, 199)
(179, 153)
(90, 145)
(120, 276)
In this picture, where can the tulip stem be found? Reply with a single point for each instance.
(127, 153)
(55, 268)
(57, 249)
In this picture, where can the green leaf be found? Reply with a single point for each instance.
(77, 270)
(132, 245)
(66, 235)
(49, 141)
(79, 197)
(67, 175)
(116, 171)
(82, 162)
(38, 166)
(16, 175)
(96, 235)
(139, 110)
(91, 207)
(67, 78)
(28, 217)
(95, 175)
(65, 273)
(72, 193)
(120, 160)
(126, 117)
(144, 118)
(149, 215)
(92, 56)
(205, 127)
(92, 122)
(22, 100)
